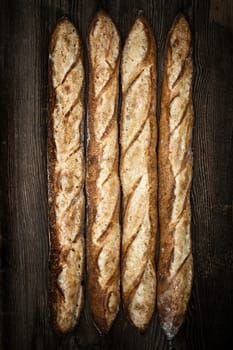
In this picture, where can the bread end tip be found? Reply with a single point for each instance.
(181, 20)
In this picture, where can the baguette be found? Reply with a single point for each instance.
(175, 174)
(103, 184)
(138, 172)
(66, 175)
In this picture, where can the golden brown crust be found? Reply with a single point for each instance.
(103, 187)
(66, 175)
(175, 174)
(138, 172)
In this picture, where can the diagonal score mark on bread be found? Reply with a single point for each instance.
(175, 174)
(66, 175)
(138, 140)
(103, 184)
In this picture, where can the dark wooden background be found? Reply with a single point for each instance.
(25, 30)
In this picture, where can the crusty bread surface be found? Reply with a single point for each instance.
(138, 172)
(66, 175)
(175, 174)
(103, 184)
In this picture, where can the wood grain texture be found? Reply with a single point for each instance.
(27, 27)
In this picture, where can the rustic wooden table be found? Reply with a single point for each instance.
(25, 31)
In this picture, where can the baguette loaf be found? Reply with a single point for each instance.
(103, 184)
(66, 175)
(138, 171)
(175, 174)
